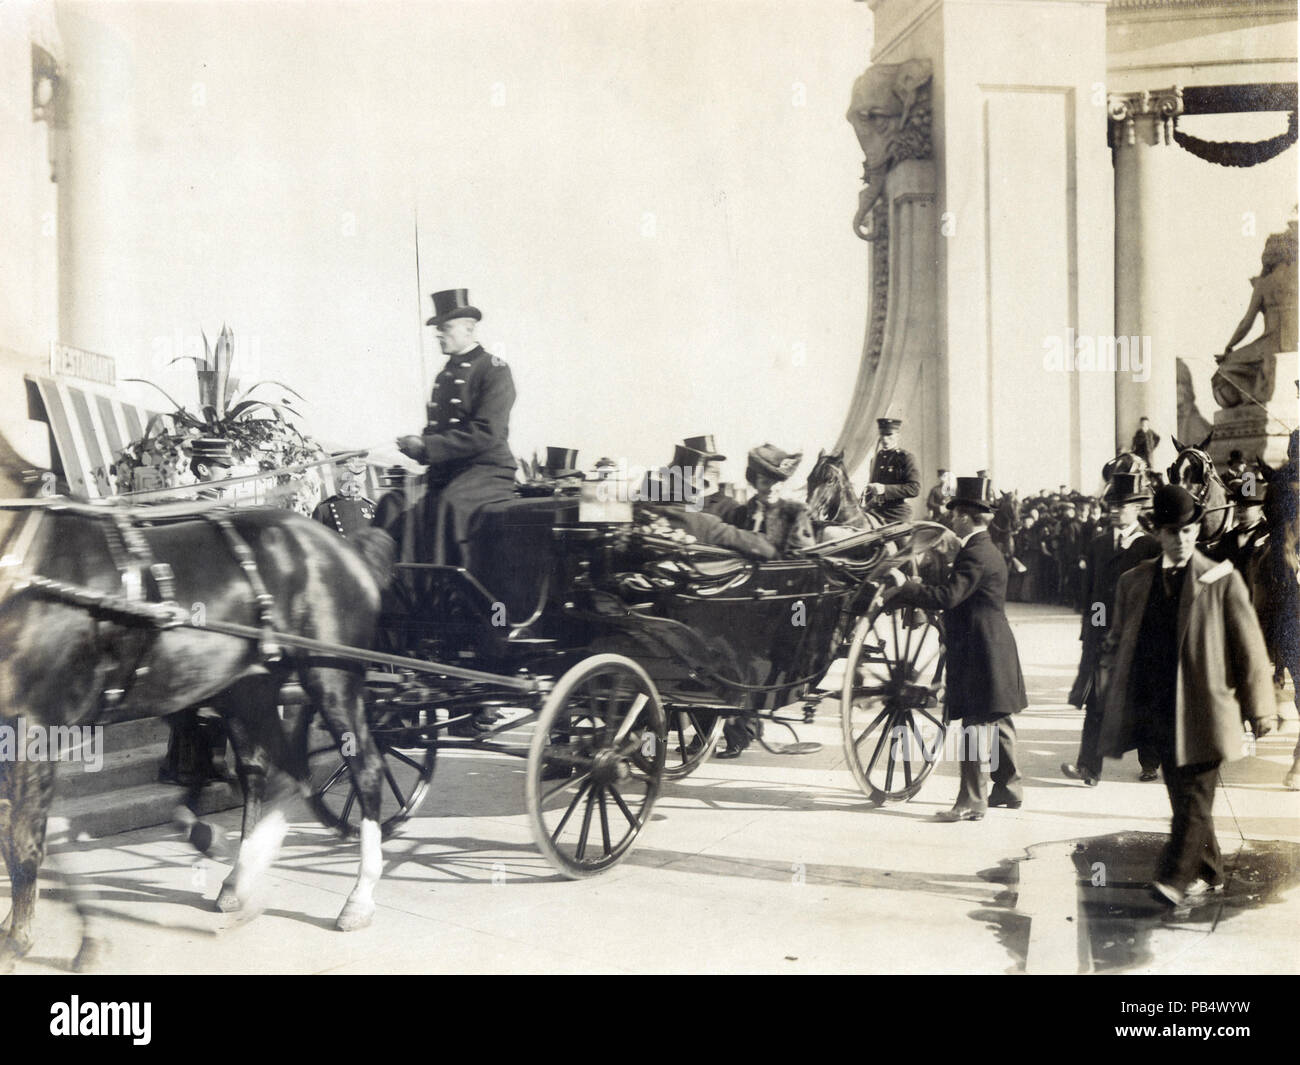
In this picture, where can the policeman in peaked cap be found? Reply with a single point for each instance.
(894, 476)
(465, 444)
(349, 510)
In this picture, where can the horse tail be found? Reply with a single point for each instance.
(379, 551)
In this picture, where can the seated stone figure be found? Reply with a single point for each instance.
(1248, 374)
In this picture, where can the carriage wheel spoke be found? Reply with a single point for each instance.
(893, 752)
(868, 730)
(618, 800)
(604, 823)
(316, 751)
(875, 755)
(581, 782)
(629, 719)
(347, 806)
(392, 783)
(581, 852)
(401, 756)
(907, 762)
(555, 836)
(937, 723)
(334, 777)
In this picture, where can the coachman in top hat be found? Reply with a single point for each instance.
(894, 476)
(465, 443)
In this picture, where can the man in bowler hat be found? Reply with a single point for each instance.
(894, 476)
(465, 444)
(1184, 667)
(984, 684)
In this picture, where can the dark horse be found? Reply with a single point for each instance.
(1193, 469)
(831, 498)
(69, 661)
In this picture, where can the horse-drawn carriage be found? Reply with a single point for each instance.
(621, 655)
(617, 654)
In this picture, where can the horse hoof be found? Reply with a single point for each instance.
(228, 900)
(89, 956)
(355, 916)
(10, 951)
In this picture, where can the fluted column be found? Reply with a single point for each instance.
(1146, 300)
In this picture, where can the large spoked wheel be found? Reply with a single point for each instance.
(595, 764)
(693, 734)
(408, 759)
(892, 707)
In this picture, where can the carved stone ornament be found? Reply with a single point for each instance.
(890, 112)
(1125, 107)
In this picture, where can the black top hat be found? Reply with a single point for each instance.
(685, 457)
(1247, 492)
(452, 303)
(561, 461)
(706, 445)
(772, 461)
(1126, 488)
(973, 492)
(1174, 506)
(212, 450)
(889, 425)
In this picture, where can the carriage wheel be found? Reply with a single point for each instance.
(892, 708)
(333, 796)
(604, 726)
(693, 735)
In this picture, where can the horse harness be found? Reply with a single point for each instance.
(134, 559)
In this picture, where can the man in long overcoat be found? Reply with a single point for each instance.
(984, 683)
(1183, 667)
(1108, 556)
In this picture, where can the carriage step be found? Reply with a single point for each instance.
(141, 806)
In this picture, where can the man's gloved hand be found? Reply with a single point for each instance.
(411, 446)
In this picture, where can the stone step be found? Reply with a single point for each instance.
(138, 806)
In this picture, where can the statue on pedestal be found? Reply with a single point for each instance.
(890, 112)
(1249, 374)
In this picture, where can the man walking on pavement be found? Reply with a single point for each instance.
(984, 684)
(1109, 555)
(1187, 666)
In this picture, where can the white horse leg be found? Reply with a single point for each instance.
(258, 853)
(360, 908)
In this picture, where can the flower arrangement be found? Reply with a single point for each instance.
(261, 436)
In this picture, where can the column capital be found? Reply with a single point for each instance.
(1124, 108)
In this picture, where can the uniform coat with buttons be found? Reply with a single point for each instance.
(1223, 673)
(466, 447)
(897, 472)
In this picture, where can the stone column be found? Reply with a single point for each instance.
(1147, 290)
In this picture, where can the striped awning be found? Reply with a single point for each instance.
(88, 429)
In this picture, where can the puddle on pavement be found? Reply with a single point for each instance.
(1111, 875)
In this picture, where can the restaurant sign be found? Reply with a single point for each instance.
(67, 361)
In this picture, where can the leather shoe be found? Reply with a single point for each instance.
(730, 752)
(1201, 886)
(1004, 799)
(1075, 773)
(1148, 775)
(960, 813)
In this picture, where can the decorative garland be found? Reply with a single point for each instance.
(1237, 153)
